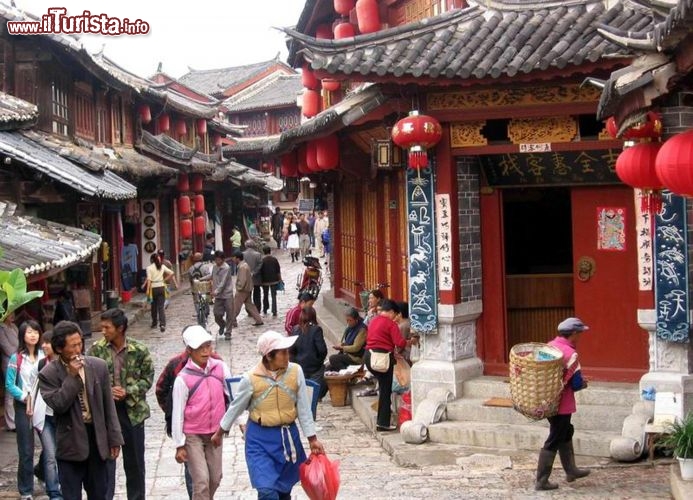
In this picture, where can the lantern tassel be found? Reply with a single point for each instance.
(418, 159)
(651, 201)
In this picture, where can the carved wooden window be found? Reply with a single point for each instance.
(59, 107)
(84, 112)
(287, 120)
(128, 123)
(103, 122)
(414, 10)
(25, 82)
(117, 117)
(257, 124)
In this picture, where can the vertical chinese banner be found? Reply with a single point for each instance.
(643, 230)
(671, 269)
(443, 239)
(423, 298)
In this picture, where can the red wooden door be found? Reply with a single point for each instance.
(615, 348)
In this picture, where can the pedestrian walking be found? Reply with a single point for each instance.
(292, 243)
(21, 370)
(78, 388)
(131, 369)
(222, 291)
(199, 395)
(277, 224)
(303, 236)
(9, 342)
(310, 350)
(253, 258)
(275, 394)
(235, 240)
(270, 276)
(321, 224)
(560, 429)
(155, 285)
(244, 288)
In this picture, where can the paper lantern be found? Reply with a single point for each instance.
(183, 184)
(324, 31)
(184, 207)
(312, 156)
(417, 133)
(200, 226)
(327, 152)
(308, 78)
(201, 126)
(311, 103)
(611, 127)
(649, 128)
(344, 30)
(368, 16)
(343, 7)
(196, 183)
(289, 165)
(635, 166)
(181, 128)
(301, 159)
(164, 123)
(199, 201)
(674, 163)
(330, 84)
(145, 113)
(186, 229)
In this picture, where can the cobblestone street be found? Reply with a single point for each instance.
(365, 468)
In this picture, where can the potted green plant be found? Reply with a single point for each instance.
(679, 439)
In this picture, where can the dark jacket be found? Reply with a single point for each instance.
(309, 350)
(270, 272)
(60, 391)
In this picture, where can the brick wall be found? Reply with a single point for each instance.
(469, 227)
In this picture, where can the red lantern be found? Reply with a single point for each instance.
(611, 127)
(650, 128)
(183, 184)
(330, 84)
(302, 162)
(312, 156)
(674, 163)
(164, 123)
(201, 126)
(635, 166)
(368, 16)
(344, 30)
(324, 31)
(181, 128)
(289, 166)
(343, 7)
(200, 226)
(186, 229)
(145, 113)
(196, 183)
(327, 152)
(417, 133)
(311, 103)
(184, 205)
(308, 78)
(199, 201)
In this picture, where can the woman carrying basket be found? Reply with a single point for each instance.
(560, 429)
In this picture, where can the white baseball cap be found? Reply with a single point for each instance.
(194, 336)
(272, 341)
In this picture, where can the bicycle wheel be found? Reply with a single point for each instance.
(202, 313)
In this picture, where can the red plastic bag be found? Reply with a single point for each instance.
(320, 477)
(405, 408)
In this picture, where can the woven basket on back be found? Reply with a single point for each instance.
(536, 379)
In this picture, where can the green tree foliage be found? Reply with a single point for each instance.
(13, 292)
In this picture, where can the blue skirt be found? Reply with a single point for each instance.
(266, 450)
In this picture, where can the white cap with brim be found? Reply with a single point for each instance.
(194, 336)
(273, 341)
(572, 325)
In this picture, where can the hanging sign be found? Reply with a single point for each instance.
(671, 269)
(444, 239)
(423, 297)
(643, 232)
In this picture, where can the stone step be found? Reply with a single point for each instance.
(598, 393)
(588, 417)
(499, 436)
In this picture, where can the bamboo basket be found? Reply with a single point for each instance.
(536, 379)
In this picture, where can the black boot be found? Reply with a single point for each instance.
(544, 467)
(567, 454)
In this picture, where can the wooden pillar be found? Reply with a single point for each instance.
(336, 244)
(393, 214)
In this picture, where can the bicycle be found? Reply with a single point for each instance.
(203, 292)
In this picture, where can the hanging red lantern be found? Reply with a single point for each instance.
(674, 164)
(196, 183)
(183, 184)
(181, 128)
(311, 103)
(344, 30)
(324, 31)
(635, 166)
(164, 123)
(343, 7)
(200, 226)
(368, 16)
(327, 152)
(649, 128)
(417, 133)
(312, 156)
(201, 126)
(145, 113)
(301, 158)
(184, 205)
(199, 202)
(186, 229)
(289, 165)
(308, 77)
(611, 127)
(331, 85)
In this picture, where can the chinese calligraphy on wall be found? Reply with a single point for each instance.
(671, 269)
(443, 237)
(422, 253)
(643, 229)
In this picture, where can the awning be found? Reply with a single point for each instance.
(38, 246)
(104, 184)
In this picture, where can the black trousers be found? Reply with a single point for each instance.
(266, 291)
(257, 296)
(384, 390)
(560, 431)
(158, 302)
(133, 457)
(91, 473)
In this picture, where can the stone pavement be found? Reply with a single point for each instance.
(366, 469)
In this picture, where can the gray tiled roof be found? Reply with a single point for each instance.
(215, 81)
(104, 184)
(482, 41)
(16, 112)
(35, 245)
(270, 93)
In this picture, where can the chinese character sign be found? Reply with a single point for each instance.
(444, 239)
(423, 298)
(643, 229)
(671, 269)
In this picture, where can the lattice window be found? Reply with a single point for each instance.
(288, 120)
(59, 108)
(256, 123)
(84, 115)
(415, 10)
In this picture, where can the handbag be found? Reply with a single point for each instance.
(380, 361)
(280, 286)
